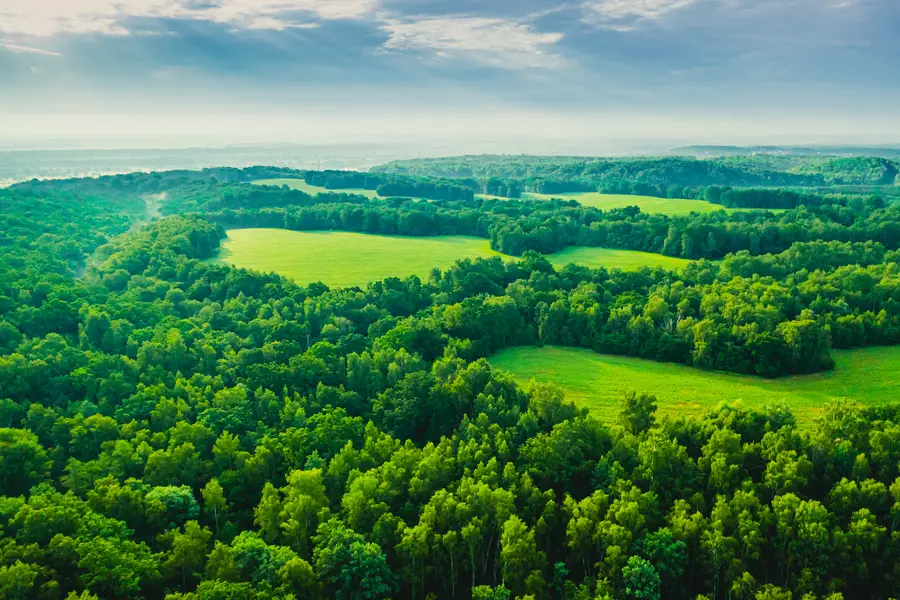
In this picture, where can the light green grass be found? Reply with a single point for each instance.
(342, 259)
(627, 260)
(598, 381)
(647, 204)
(672, 207)
(313, 190)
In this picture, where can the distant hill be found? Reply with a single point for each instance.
(824, 151)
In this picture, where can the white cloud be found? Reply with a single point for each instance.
(490, 41)
(273, 24)
(20, 49)
(624, 15)
(50, 17)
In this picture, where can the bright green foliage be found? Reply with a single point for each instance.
(116, 568)
(23, 462)
(353, 568)
(17, 580)
(484, 592)
(177, 504)
(640, 580)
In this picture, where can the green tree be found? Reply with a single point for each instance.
(187, 558)
(353, 568)
(214, 504)
(640, 580)
(23, 462)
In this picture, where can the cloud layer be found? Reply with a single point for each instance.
(624, 15)
(672, 57)
(492, 41)
(52, 17)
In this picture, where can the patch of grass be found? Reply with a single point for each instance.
(343, 259)
(627, 260)
(647, 204)
(599, 382)
(313, 190)
(673, 207)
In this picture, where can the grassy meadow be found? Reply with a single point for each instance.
(598, 381)
(312, 190)
(627, 260)
(343, 259)
(664, 206)
(672, 207)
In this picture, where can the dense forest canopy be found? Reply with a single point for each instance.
(176, 429)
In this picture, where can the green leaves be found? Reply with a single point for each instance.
(23, 462)
(352, 568)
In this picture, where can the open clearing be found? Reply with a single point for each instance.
(599, 381)
(343, 259)
(673, 207)
(627, 260)
(313, 190)
(647, 204)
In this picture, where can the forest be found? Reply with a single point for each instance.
(176, 429)
(663, 177)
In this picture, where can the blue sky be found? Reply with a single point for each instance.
(714, 67)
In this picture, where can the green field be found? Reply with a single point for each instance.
(312, 190)
(664, 206)
(647, 204)
(598, 381)
(342, 259)
(627, 260)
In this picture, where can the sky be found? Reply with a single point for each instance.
(704, 71)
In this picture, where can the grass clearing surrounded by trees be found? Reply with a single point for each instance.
(664, 206)
(343, 259)
(673, 207)
(627, 260)
(599, 381)
(313, 190)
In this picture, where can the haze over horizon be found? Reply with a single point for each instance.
(184, 72)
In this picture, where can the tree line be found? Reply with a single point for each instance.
(565, 174)
(516, 226)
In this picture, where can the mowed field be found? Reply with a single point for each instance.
(312, 190)
(598, 381)
(343, 259)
